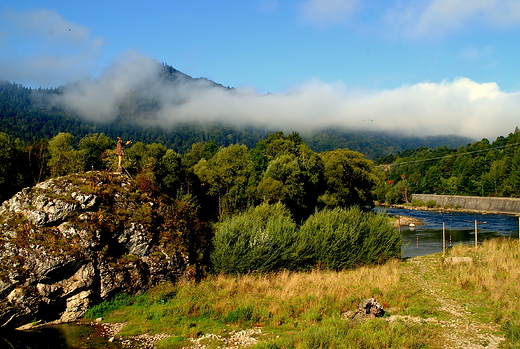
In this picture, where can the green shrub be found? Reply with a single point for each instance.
(418, 202)
(266, 239)
(338, 239)
(261, 240)
(431, 203)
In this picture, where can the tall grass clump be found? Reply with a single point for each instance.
(344, 238)
(259, 240)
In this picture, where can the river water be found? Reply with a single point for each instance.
(417, 241)
(66, 336)
(460, 229)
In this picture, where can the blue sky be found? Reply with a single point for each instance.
(423, 66)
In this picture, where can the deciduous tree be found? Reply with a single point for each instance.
(350, 179)
(63, 158)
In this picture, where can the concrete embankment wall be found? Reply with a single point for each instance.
(474, 203)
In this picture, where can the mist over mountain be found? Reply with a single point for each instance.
(144, 100)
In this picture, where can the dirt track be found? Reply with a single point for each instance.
(461, 327)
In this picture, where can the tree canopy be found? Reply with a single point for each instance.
(223, 180)
(482, 168)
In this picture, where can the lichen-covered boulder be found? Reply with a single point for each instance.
(73, 241)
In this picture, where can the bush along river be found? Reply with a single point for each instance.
(426, 238)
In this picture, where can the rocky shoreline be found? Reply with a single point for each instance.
(111, 332)
(444, 209)
(234, 339)
(406, 221)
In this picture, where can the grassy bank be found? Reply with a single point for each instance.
(429, 304)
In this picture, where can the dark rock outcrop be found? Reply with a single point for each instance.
(74, 241)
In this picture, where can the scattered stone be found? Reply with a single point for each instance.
(237, 339)
(367, 309)
(232, 340)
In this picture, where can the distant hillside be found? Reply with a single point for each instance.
(29, 115)
(377, 144)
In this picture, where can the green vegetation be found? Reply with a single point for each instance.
(260, 240)
(293, 243)
(429, 304)
(340, 239)
(222, 181)
(478, 169)
(265, 239)
(258, 201)
(26, 114)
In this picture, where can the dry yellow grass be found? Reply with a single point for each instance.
(288, 284)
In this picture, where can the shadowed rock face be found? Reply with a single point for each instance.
(74, 241)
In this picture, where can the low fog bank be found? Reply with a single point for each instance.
(461, 107)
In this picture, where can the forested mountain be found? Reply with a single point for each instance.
(482, 168)
(29, 115)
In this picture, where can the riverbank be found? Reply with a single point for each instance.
(406, 221)
(443, 209)
(428, 302)
(495, 205)
(232, 340)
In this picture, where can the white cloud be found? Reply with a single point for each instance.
(324, 12)
(462, 106)
(41, 47)
(99, 100)
(437, 18)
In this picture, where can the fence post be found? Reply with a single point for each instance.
(443, 239)
(476, 233)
